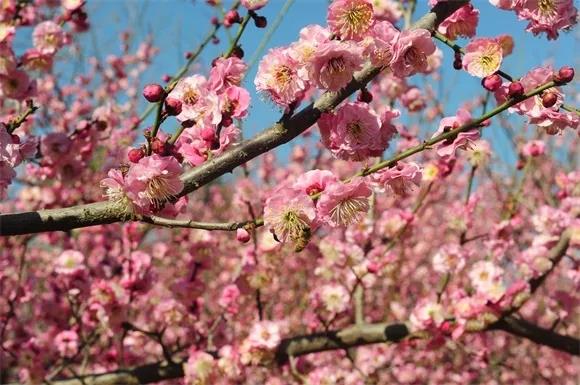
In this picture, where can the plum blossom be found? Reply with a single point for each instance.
(380, 42)
(152, 181)
(200, 368)
(482, 57)
(342, 204)
(388, 10)
(355, 132)
(413, 99)
(137, 272)
(547, 16)
(226, 72)
(12, 153)
(427, 314)
(254, 5)
(229, 299)
(534, 148)
(463, 140)
(334, 298)
(48, 37)
(260, 345)
(350, 19)
(462, 23)
(486, 278)
(70, 262)
(289, 214)
(401, 179)
(67, 343)
(315, 181)
(333, 65)
(115, 188)
(411, 51)
(450, 258)
(190, 91)
(279, 78)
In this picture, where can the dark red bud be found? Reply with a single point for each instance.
(214, 21)
(515, 90)
(238, 52)
(457, 64)
(215, 40)
(260, 21)
(232, 17)
(153, 93)
(549, 99)
(166, 78)
(491, 82)
(365, 96)
(564, 75)
(173, 106)
(159, 147)
(135, 155)
(188, 55)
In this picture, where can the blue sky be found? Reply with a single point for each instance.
(179, 25)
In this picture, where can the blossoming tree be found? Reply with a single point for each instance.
(381, 252)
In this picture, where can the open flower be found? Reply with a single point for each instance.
(355, 132)
(350, 19)
(153, 180)
(482, 57)
(48, 37)
(401, 179)
(379, 44)
(411, 51)
(226, 72)
(462, 23)
(190, 91)
(278, 77)
(463, 140)
(289, 214)
(342, 204)
(333, 65)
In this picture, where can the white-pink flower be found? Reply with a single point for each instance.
(48, 37)
(482, 57)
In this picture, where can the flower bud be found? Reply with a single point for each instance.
(260, 21)
(159, 147)
(365, 96)
(188, 55)
(153, 93)
(173, 106)
(564, 75)
(457, 64)
(515, 90)
(208, 134)
(232, 17)
(549, 99)
(238, 52)
(214, 21)
(166, 78)
(491, 82)
(135, 154)
(242, 235)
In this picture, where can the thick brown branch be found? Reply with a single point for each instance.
(276, 135)
(539, 335)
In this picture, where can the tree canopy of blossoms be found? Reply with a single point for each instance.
(395, 246)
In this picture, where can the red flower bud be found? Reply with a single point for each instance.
(364, 96)
(188, 55)
(173, 106)
(135, 154)
(238, 52)
(260, 21)
(232, 17)
(457, 64)
(159, 147)
(549, 99)
(515, 90)
(153, 93)
(166, 78)
(564, 75)
(491, 82)
(243, 236)
(214, 21)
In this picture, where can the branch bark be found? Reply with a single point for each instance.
(279, 133)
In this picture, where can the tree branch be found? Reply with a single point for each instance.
(276, 135)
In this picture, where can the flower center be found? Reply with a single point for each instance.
(190, 96)
(357, 19)
(547, 7)
(349, 211)
(355, 129)
(283, 76)
(414, 56)
(336, 65)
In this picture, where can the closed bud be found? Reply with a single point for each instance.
(153, 93)
(232, 17)
(564, 75)
(260, 21)
(457, 64)
(364, 96)
(159, 147)
(242, 235)
(135, 154)
(549, 99)
(238, 52)
(491, 82)
(173, 106)
(515, 90)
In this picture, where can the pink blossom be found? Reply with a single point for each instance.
(72, 5)
(190, 91)
(226, 72)
(229, 299)
(354, 132)
(315, 181)
(70, 262)
(16, 85)
(54, 146)
(67, 343)
(7, 60)
(463, 140)
(554, 122)
(311, 37)
(411, 51)
(534, 148)
(413, 99)
(200, 368)
(265, 335)
(289, 214)
(137, 272)
(379, 44)
(153, 180)
(333, 65)
(235, 102)
(48, 37)
(198, 143)
(462, 23)
(401, 179)
(115, 188)
(279, 78)
(450, 258)
(35, 60)
(482, 57)
(506, 43)
(426, 314)
(486, 278)
(547, 17)
(253, 5)
(334, 298)
(342, 204)
(350, 19)
(388, 10)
